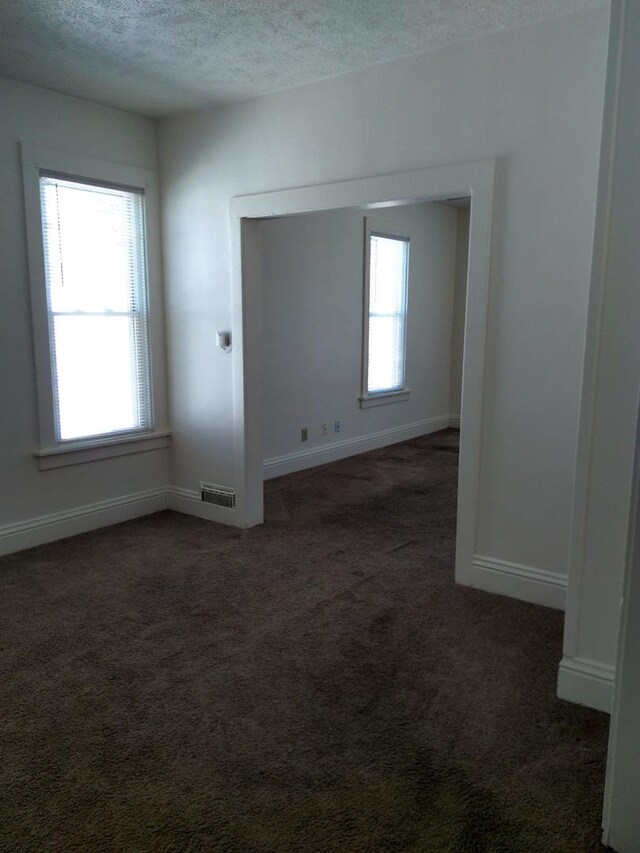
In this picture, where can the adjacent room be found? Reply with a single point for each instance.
(319, 388)
(318, 273)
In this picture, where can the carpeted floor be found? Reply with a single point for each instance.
(316, 684)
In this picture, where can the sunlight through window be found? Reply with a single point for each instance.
(388, 268)
(96, 296)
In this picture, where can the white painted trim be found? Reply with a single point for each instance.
(595, 311)
(620, 824)
(538, 586)
(189, 502)
(58, 457)
(246, 306)
(473, 180)
(586, 682)
(454, 421)
(310, 457)
(59, 525)
(368, 401)
(35, 158)
(437, 183)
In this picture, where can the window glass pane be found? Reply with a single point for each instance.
(93, 255)
(96, 375)
(384, 368)
(387, 275)
(387, 313)
(96, 294)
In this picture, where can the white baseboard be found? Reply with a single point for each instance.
(189, 502)
(59, 525)
(537, 586)
(48, 528)
(454, 421)
(586, 682)
(301, 459)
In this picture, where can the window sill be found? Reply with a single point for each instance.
(92, 451)
(371, 400)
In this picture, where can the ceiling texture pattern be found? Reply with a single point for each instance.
(160, 57)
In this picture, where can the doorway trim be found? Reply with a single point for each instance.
(473, 180)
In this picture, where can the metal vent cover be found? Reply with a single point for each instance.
(218, 495)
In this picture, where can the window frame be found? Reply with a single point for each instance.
(53, 452)
(367, 398)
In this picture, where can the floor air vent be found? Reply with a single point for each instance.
(218, 495)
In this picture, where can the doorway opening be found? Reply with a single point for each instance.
(472, 181)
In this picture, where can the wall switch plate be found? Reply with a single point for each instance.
(325, 429)
(337, 426)
(304, 434)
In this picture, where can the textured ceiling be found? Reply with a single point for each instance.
(158, 57)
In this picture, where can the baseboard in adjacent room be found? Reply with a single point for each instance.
(586, 682)
(454, 421)
(309, 458)
(537, 586)
(59, 525)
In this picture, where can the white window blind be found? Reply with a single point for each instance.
(95, 272)
(388, 275)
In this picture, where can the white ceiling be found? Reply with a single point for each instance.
(159, 57)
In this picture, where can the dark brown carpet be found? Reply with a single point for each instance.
(316, 684)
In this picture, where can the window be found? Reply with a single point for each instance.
(94, 278)
(385, 334)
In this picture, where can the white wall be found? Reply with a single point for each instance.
(621, 820)
(621, 361)
(532, 98)
(312, 297)
(39, 117)
(459, 304)
(611, 385)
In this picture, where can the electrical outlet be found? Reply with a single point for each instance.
(337, 426)
(325, 429)
(304, 434)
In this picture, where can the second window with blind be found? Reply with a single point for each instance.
(385, 317)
